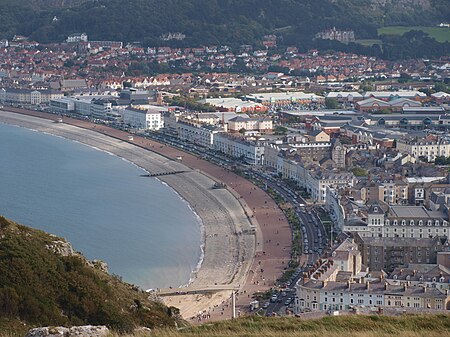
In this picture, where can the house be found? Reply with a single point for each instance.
(318, 136)
(260, 124)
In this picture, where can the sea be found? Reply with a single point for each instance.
(139, 226)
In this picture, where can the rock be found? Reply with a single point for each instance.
(75, 331)
(100, 265)
(142, 330)
(62, 248)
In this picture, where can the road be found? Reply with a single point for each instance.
(314, 236)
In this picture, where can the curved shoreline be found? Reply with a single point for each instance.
(265, 257)
(196, 193)
(193, 272)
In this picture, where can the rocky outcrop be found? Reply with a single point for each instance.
(62, 248)
(75, 331)
(100, 265)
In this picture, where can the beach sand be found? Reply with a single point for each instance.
(234, 258)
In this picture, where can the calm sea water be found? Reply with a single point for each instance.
(99, 202)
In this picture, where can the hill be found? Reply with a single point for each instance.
(205, 22)
(349, 326)
(43, 282)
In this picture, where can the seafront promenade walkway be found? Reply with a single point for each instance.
(273, 235)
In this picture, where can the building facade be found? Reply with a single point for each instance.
(143, 118)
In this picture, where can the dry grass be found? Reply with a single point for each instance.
(348, 326)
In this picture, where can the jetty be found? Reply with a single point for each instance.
(158, 174)
(195, 290)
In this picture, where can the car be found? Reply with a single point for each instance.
(273, 298)
(283, 294)
(266, 305)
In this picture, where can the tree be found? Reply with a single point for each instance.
(242, 131)
(280, 130)
(331, 103)
(441, 160)
(440, 86)
(359, 172)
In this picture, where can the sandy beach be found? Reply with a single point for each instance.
(234, 256)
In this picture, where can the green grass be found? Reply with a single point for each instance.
(369, 42)
(348, 326)
(440, 34)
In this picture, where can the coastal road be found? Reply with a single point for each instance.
(273, 234)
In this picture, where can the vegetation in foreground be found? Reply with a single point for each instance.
(352, 326)
(40, 285)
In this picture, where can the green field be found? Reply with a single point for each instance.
(440, 34)
(369, 42)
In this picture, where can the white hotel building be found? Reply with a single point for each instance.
(252, 152)
(141, 118)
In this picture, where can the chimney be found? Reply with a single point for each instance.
(368, 285)
(325, 283)
(405, 286)
(385, 286)
(348, 285)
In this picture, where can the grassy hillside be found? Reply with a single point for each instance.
(348, 326)
(40, 284)
(440, 34)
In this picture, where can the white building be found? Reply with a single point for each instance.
(260, 124)
(400, 222)
(77, 37)
(148, 119)
(251, 151)
(427, 149)
(197, 133)
(316, 181)
(28, 96)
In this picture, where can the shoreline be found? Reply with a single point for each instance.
(201, 269)
(199, 221)
(193, 272)
(266, 255)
